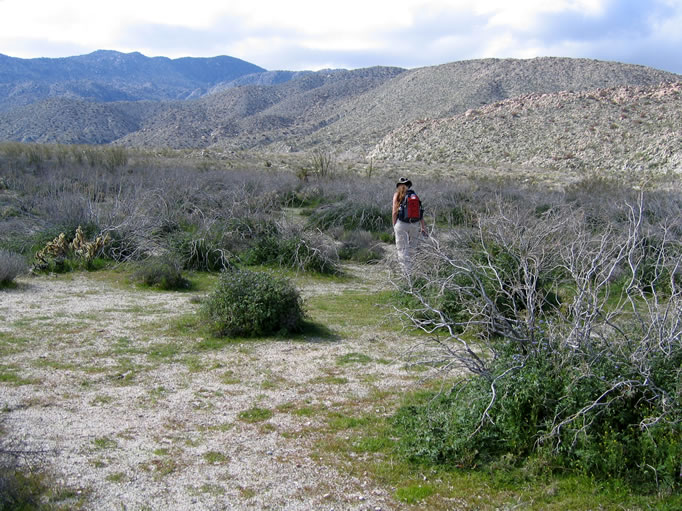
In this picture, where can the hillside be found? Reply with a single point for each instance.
(260, 116)
(621, 128)
(449, 89)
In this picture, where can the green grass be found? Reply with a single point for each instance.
(104, 442)
(163, 352)
(10, 344)
(353, 311)
(414, 493)
(330, 380)
(117, 477)
(9, 375)
(229, 378)
(256, 414)
(353, 358)
(215, 457)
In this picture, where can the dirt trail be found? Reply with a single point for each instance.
(139, 417)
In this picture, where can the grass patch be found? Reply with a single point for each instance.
(330, 380)
(215, 457)
(214, 490)
(353, 358)
(10, 376)
(9, 344)
(256, 414)
(338, 421)
(229, 378)
(414, 493)
(163, 351)
(104, 442)
(117, 477)
(353, 310)
(102, 399)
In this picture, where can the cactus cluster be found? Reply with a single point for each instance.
(60, 249)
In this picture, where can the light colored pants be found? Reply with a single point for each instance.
(406, 240)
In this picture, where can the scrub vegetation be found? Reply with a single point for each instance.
(531, 359)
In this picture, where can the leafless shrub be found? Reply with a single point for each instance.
(597, 313)
(11, 266)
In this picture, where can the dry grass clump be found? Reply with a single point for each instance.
(11, 266)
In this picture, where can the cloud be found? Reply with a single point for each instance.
(309, 34)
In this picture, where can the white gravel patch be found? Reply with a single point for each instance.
(131, 431)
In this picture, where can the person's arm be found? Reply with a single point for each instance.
(396, 207)
(421, 221)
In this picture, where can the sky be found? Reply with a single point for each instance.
(317, 34)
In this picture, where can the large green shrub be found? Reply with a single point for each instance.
(461, 428)
(248, 303)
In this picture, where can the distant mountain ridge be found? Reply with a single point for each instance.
(108, 76)
(379, 112)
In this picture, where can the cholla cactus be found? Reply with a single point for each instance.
(55, 249)
(60, 248)
(87, 249)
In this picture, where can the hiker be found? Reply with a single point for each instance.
(408, 222)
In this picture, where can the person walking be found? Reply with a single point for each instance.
(406, 225)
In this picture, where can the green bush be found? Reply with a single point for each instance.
(161, 273)
(248, 303)
(352, 216)
(361, 247)
(201, 250)
(300, 251)
(11, 266)
(608, 442)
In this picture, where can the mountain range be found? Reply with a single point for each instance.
(546, 111)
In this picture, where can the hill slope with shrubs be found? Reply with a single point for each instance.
(449, 89)
(347, 111)
(614, 129)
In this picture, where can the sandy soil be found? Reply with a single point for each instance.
(134, 416)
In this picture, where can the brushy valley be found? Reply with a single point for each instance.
(196, 332)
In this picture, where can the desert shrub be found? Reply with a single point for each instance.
(11, 266)
(162, 273)
(24, 482)
(67, 253)
(361, 247)
(461, 428)
(367, 217)
(572, 338)
(248, 303)
(290, 247)
(22, 490)
(308, 251)
(303, 197)
(201, 250)
(115, 157)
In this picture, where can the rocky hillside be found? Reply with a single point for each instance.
(449, 89)
(615, 129)
(106, 76)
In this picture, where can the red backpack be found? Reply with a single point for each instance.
(411, 209)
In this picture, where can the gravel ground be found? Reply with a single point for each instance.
(134, 416)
